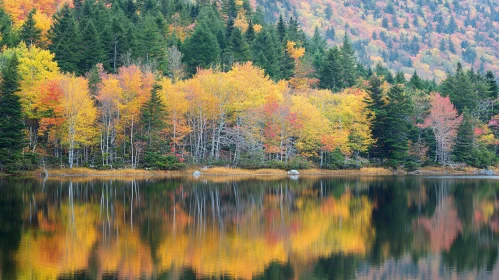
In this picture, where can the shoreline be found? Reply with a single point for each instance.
(224, 172)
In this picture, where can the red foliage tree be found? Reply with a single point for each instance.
(444, 121)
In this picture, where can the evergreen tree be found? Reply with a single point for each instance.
(397, 125)
(250, 32)
(93, 53)
(493, 88)
(265, 50)
(200, 50)
(66, 42)
(11, 124)
(376, 104)
(151, 43)
(463, 150)
(416, 81)
(287, 65)
(348, 62)
(238, 47)
(400, 78)
(460, 89)
(330, 71)
(281, 28)
(9, 37)
(328, 12)
(384, 23)
(29, 33)
(452, 48)
(153, 115)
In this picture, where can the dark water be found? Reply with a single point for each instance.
(310, 228)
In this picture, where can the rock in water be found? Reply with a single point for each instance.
(293, 172)
(486, 172)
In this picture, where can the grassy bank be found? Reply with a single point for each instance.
(224, 171)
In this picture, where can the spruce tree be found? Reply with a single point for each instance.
(397, 125)
(29, 33)
(460, 89)
(151, 43)
(348, 62)
(376, 104)
(281, 28)
(9, 37)
(286, 65)
(238, 47)
(415, 81)
(492, 84)
(265, 52)
(463, 149)
(399, 78)
(250, 32)
(11, 123)
(201, 49)
(330, 71)
(66, 42)
(93, 52)
(153, 114)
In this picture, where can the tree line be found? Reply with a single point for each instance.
(162, 84)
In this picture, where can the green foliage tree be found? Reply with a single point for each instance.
(397, 125)
(348, 61)
(11, 123)
(238, 47)
(29, 33)
(330, 71)
(201, 49)
(463, 150)
(66, 43)
(153, 115)
(93, 53)
(9, 37)
(376, 104)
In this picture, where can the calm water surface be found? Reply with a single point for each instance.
(236, 228)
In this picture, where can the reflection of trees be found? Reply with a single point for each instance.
(185, 229)
(131, 229)
(10, 228)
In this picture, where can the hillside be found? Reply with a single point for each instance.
(429, 36)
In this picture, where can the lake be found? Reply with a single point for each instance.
(405, 227)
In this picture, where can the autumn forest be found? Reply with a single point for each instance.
(163, 84)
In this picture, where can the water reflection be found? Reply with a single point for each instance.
(310, 228)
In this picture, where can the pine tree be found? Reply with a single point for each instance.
(29, 33)
(93, 53)
(328, 12)
(8, 37)
(151, 43)
(348, 62)
(238, 47)
(11, 124)
(415, 81)
(153, 115)
(250, 32)
(330, 71)
(463, 150)
(287, 65)
(281, 28)
(66, 41)
(397, 125)
(460, 89)
(265, 52)
(399, 78)
(492, 84)
(376, 104)
(200, 50)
